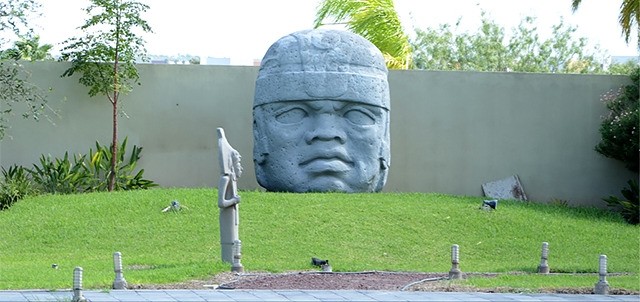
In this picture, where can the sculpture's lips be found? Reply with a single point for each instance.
(327, 165)
(330, 162)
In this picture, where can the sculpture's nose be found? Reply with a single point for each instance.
(326, 127)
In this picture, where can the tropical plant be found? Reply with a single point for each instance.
(99, 169)
(30, 49)
(60, 176)
(106, 56)
(488, 49)
(375, 20)
(629, 206)
(78, 174)
(15, 85)
(16, 184)
(68, 175)
(628, 18)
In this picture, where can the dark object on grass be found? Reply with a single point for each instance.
(489, 204)
(318, 262)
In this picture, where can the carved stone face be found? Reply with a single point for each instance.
(321, 145)
(321, 114)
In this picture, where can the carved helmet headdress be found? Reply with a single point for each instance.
(323, 64)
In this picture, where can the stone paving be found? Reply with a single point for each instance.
(293, 295)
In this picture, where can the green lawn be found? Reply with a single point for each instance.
(281, 232)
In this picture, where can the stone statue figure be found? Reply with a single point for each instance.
(321, 114)
(228, 198)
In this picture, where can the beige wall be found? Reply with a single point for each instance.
(450, 131)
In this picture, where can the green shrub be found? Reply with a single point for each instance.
(619, 129)
(16, 184)
(620, 140)
(629, 207)
(77, 175)
(99, 168)
(82, 174)
(60, 175)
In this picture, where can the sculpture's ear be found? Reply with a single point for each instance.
(260, 145)
(384, 156)
(382, 174)
(260, 154)
(384, 165)
(385, 148)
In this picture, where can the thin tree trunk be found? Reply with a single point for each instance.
(114, 138)
(114, 143)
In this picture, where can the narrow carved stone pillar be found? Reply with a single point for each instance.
(77, 286)
(602, 287)
(119, 282)
(543, 268)
(455, 273)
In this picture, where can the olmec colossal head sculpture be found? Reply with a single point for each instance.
(321, 114)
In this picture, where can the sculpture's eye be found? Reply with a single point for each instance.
(291, 115)
(359, 117)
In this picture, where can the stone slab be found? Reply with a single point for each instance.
(506, 188)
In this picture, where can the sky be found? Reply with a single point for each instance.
(243, 30)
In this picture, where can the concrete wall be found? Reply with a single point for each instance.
(450, 131)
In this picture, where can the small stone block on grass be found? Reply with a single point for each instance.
(507, 188)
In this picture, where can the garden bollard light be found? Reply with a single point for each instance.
(455, 273)
(602, 287)
(543, 268)
(119, 282)
(237, 267)
(77, 286)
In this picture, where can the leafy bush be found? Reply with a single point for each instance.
(623, 68)
(620, 140)
(629, 207)
(60, 175)
(100, 165)
(619, 129)
(76, 175)
(16, 184)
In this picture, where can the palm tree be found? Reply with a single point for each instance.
(30, 49)
(375, 20)
(629, 15)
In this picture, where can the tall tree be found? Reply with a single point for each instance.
(488, 49)
(375, 20)
(14, 15)
(106, 56)
(15, 85)
(628, 18)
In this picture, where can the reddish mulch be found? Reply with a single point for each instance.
(374, 280)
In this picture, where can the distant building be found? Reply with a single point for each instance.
(189, 59)
(176, 59)
(159, 60)
(624, 59)
(218, 61)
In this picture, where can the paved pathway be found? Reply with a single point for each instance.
(293, 295)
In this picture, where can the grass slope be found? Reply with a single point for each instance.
(281, 232)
